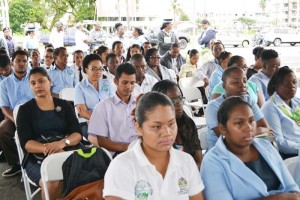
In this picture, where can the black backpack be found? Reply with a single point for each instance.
(84, 166)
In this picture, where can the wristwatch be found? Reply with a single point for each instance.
(67, 142)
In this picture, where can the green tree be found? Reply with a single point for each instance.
(262, 5)
(183, 16)
(246, 21)
(24, 11)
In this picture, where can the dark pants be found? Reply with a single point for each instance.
(7, 141)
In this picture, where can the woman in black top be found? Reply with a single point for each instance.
(45, 126)
(187, 137)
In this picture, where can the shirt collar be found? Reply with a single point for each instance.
(24, 78)
(143, 160)
(279, 102)
(116, 99)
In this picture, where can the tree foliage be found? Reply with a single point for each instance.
(24, 11)
(246, 21)
(48, 12)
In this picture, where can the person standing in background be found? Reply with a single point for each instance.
(207, 34)
(56, 37)
(166, 38)
(7, 41)
(31, 42)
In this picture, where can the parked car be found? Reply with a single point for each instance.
(152, 36)
(278, 35)
(232, 39)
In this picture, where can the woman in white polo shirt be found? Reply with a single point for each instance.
(152, 169)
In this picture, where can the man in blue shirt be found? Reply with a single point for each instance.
(207, 34)
(62, 76)
(14, 90)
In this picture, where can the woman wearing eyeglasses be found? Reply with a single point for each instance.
(91, 90)
(187, 136)
(154, 68)
(282, 111)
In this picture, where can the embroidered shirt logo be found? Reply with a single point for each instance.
(143, 190)
(183, 186)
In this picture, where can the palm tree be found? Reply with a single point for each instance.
(262, 5)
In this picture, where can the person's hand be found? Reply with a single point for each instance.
(289, 196)
(54, 147)
(205, 80)
(261, 130)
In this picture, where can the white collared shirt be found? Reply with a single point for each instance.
(132, 176)
(146, 86)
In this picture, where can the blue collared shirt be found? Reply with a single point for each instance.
(235, 180)
(261, 81)
(3, 77)
(212, 120)
(216, 78)
(62, 78)
(285, 129)
(86, 94)
(14, 91)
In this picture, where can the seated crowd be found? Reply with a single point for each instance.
(135, 108)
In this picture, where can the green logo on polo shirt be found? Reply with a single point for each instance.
(183, 186)
(143, 190)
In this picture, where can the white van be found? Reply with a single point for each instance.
(278, 35)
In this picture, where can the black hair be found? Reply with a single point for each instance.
(125, 68)
(163, 26)
(223, 56)
(3, 51)
(234, 59)
(139, 30)
(89, 58)
(227, 106)
(149, 53)
(109, 56)
(192, 52)
(136, 57)
(277, 78)
(77, 52)
(218, 42)
(164, 85)
(39, 70)
(19, 52)
(4, 61)
(49, 50)
(146, 43)
(257, 52)
(128, 56)
(49, 45)
(57, 51)
(228, 71)
(36, 50)
(115, 44)
(268, 54)
(101, 49)
(148, 102)
(175, 45)
(117, 25)
(153, 44)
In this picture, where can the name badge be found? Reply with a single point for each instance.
(167, 39)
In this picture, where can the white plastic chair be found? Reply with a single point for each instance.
(190, 82)
(199, 121)
(202, 135)
(173, 75)
(292, 164)
(51, 168)
(26, 180)
(67, 94)
(191, 94)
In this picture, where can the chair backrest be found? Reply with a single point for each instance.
(202, 135)
(191, 93)
(173, 75)
(15, 112)
(207, 93)
(291, 163)
(188, 111)
(190, 82)
(67, 94)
